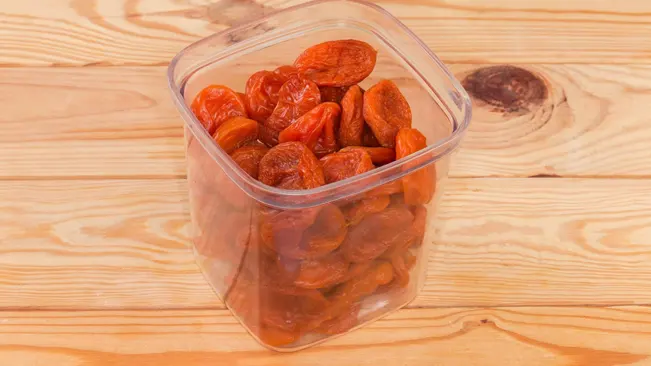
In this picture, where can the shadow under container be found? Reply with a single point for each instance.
(299, 267)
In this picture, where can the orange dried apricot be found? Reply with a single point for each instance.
(341, 165)
(341, 323)
(365, 207)
(379, 155)
(375, 234)
(235, 133)
(322, 272)
(332, 93)
(351, 128)
(386, 111)
(419, 186)
(295, 98)
(337, 63)
(261, 94)
(291, 165)
(286, 71)
(248, 158)
(216, 104)
(309, 127)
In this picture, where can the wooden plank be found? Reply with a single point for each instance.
(109, 122)
(506, 336)
(553, 120)
(151, 32)
(123, 244)
(592, 122)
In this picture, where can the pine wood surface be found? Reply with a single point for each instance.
(543, 238)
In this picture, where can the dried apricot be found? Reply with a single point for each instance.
(276, 337)
(309, 127)
(216, 104)
(412, 236)
(248, 158)
(376, 233)
(368, 138)
(268, 136)
(341, 323)
(322, 272)
(261, 94)
(286, 71)
(284, 229)
(365, 207)
(351, 128)
(390, 188)
(235, 133)
(324, 236)
(386, 111)
(291, 165)
(379, 155)
(332, 93)
(348, 293)
(295, 98)
(327, 142)
(337, 63)
(341, 165)
(419, 186)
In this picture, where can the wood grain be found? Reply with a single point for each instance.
(74, 122)
(505, 336)
(150, 32)
(593, 122)
(124, 244)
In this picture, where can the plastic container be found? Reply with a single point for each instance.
(235, 217)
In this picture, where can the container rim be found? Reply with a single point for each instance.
(445, 145)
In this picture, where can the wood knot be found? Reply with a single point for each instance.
(508, 89)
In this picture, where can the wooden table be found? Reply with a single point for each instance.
(545, 250)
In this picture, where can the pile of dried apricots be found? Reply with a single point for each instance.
(300, 127)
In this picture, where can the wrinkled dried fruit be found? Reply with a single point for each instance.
(235, 133)
(291, 165)
(368, 138)
(262, 94)
(351, 129)
(324, 236)
(342, 165)
(386, 111)
(285, 228)
(412, 235)
(248, 158)
(365, 207)
(337, 63)
(295, 98)
(341, 323)
(268, 136)
(216, 104)
(327, 142)
(309, 127)
(379, 155)
(387, 189)
(276, 337)
(322, 272)
(419, 186)
(376, 233)
(286, 71)
(348, 293)
(332, 93)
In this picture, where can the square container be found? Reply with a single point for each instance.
(250, 239)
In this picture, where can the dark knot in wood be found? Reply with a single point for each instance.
(506, 88)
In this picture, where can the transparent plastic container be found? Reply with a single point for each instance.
(251, 240)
